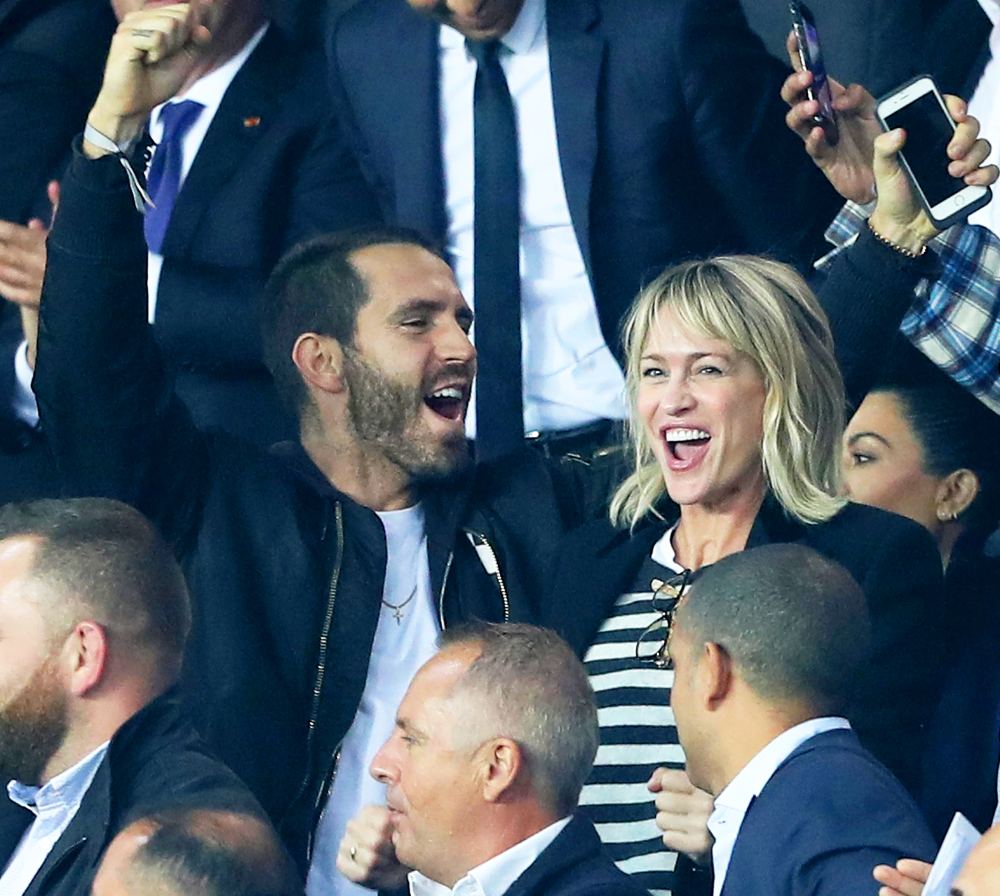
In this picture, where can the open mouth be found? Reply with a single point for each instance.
(447, 402)
(686, 446)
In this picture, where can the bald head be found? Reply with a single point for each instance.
(197, 852)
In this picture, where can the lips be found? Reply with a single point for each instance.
(686, 446)
(448, 401)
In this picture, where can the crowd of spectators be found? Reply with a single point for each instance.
(488, 447)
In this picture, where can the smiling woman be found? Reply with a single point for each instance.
(737, 409)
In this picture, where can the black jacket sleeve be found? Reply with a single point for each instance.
(866, 295)
(115, 427)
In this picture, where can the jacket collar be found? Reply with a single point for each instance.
(577, 842)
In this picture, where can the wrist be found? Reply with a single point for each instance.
(120, 130)
(908, 239)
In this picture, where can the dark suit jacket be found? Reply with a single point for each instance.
(670, 132)
(892, 558)
(826, 818)
(268, 174)
(155, 761)
(574, 865)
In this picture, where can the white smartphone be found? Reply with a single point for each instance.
(917, 108)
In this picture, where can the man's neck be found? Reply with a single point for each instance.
(365, 476)
(505, 828)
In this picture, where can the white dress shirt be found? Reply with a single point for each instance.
(209, 91)
(570, 376)
(731, 805)
(495, 876)
(54, 805)
(985, 105)
(401, 646)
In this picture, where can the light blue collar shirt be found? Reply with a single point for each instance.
(54, 805)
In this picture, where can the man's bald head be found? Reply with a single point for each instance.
(197, 852)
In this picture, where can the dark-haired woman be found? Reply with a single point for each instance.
(923, 447)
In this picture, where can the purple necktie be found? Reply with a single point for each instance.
(164, 177)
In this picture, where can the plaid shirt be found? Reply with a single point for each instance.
(955, 320)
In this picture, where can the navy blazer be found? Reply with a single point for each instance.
(270, 172)
(670, 132)
(826, 818)
(575, 864)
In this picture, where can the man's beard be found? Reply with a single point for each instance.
(33, 725)
(387, 413)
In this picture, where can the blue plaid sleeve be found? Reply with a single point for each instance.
(954, 320)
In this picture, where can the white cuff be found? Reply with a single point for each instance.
(23, 403)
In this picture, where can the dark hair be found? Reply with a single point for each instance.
(531, 688)
(794, 623)
(316, 289)
(955, 429)
(105, 562)
(212, 853)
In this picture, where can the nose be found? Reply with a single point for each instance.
(676, 396)
(455, 345)
(383, 768)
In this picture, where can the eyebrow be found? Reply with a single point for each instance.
(852, 440)
(693, 356)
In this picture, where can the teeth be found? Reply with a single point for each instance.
(449, 392)
(686, 435)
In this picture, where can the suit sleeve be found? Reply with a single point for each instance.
(778, 201)
(115, 427)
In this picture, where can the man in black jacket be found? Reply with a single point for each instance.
(322, 571)
(93, 617)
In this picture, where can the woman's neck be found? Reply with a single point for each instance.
(705, 535)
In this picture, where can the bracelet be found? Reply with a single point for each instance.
(140, 197)
(902, 250)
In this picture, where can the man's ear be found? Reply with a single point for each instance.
(86, 651)
(320, 360)
(955, 493)
(716, 670)
(502, 763)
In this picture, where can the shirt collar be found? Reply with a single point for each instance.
(992, 9)
(528, 29)
(211, 87)
(64, 792)
(495, 876)
(753, 777)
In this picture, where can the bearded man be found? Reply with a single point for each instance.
(322, 571)
(93, 618)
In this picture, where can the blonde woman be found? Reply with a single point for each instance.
(737, 409)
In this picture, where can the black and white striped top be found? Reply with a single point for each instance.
(638, 734)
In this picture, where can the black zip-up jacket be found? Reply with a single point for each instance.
(286, 573)
(154, 762)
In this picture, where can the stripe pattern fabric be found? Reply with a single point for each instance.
(638, 735)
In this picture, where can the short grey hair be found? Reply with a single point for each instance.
(530, 687)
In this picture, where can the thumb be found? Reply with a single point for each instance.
(37, 224)
(887, 147)
(655, 782)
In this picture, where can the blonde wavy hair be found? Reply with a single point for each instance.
(765, 310)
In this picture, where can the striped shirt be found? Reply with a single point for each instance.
(638, 734)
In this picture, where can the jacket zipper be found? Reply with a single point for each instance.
(321, 795)
(324, 639)
(488, 558)
(444, 584)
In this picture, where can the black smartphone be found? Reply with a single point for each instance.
(811, 57)
(917, 108)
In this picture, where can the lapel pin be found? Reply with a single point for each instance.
(251, 122)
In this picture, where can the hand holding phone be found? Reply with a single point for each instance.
(811, 58)
(918, 109)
